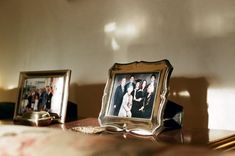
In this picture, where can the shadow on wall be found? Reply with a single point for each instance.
(7, 103)
(191, 93)
(88, 99)
(9, 95)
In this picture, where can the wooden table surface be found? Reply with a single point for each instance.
(197, 137)
(204, 139)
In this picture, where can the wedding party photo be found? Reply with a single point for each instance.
(133, 95)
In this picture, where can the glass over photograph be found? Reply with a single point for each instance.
(42, 97)
(42, 94)
(133, 95)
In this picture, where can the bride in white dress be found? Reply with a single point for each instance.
(125, 110)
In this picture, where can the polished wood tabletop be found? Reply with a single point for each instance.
(210, 138)
(221, 140)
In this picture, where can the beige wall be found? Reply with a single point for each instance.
(88, 36)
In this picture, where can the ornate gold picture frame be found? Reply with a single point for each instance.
(42, 97)
(135, 96)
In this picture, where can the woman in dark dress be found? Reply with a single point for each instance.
(136, 100)
(139, 99)
(147, 107)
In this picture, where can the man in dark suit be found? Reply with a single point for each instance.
(130, 83)
(49, 97)
(118, 96)
(153, 82)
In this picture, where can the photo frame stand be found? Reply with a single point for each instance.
(173, 116)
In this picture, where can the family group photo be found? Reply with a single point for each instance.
(133, 95)
(41, 94)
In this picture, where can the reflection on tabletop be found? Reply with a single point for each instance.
(179, 141)
(26, 140)
(198, 137)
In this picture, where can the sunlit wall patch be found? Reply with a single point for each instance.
(221, 106)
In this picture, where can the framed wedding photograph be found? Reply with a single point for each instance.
(42, 96)
(135, 96)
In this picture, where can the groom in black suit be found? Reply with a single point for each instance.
(130, 83)
(118, 96)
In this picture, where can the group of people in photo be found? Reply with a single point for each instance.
(38, 99)
(134, 97)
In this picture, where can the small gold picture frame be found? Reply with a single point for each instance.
(42, 97)
(135, 96)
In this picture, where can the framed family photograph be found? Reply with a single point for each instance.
(42, 96)
(135, 96)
